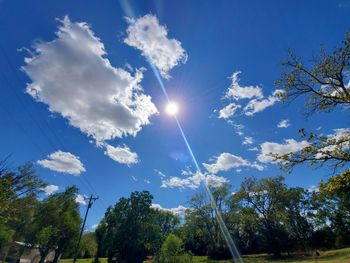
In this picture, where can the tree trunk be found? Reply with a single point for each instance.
(6, 250)
(57, 255)
(43, 255)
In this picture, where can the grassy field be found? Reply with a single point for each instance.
(331, 256)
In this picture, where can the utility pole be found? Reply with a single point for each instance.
(91, 201)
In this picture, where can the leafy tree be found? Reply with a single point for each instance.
(128, 230)
(18, 193)
(332, 216)
(56, 223)
(325, 85)
(203, 223)
(132, 229)
(172, 251)
(278, 209)
(88, 246)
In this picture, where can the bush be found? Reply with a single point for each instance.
(172, 251)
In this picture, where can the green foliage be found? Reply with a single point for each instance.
(18, 193)
(277, 210)
(88, 246)
(56, 223)
(132, 229)
(172, 251)
(202, 233)
(323, 84)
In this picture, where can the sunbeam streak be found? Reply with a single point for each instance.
(229, 241)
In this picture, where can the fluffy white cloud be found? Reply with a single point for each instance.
(258, 105)
(50, 189)
(121, 154)
(283, 124)
(248, 140)
(237, 92)
(72, 76)
(179, 211)
(215, 181)
(63, 162)
(193, 181)
(151, 38)
(227, 161)
(80, 199)
(289, 146)
(228, 110)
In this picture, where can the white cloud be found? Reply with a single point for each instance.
(134, 178)
(257, 102)
(248, 140)
(151, 38)
(80, 199)
(147, 181)
(339, 140)
(72, 76)
(258, 105)
(179, 211)
(253, 149)
(93, 227)
(226, 161)
(313, 189)
(228, 110)
(237, 92)
(161, 174)
(193, 181)
(50, 189)
(215, 181)
(289, 146)
(63, 162)
(283, 124)
(121, 154)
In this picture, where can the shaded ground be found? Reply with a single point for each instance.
(339, 255)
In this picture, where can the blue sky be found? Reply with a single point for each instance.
(58, 99)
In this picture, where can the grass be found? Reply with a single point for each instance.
(330, 256)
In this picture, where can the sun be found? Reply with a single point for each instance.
(172, 108)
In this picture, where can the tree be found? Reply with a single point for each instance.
(128, 231)
(56, 223)
(325, 86)
(18, 198)
(278, 209)
(88, 246)
(172, 251)
(202, 230)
